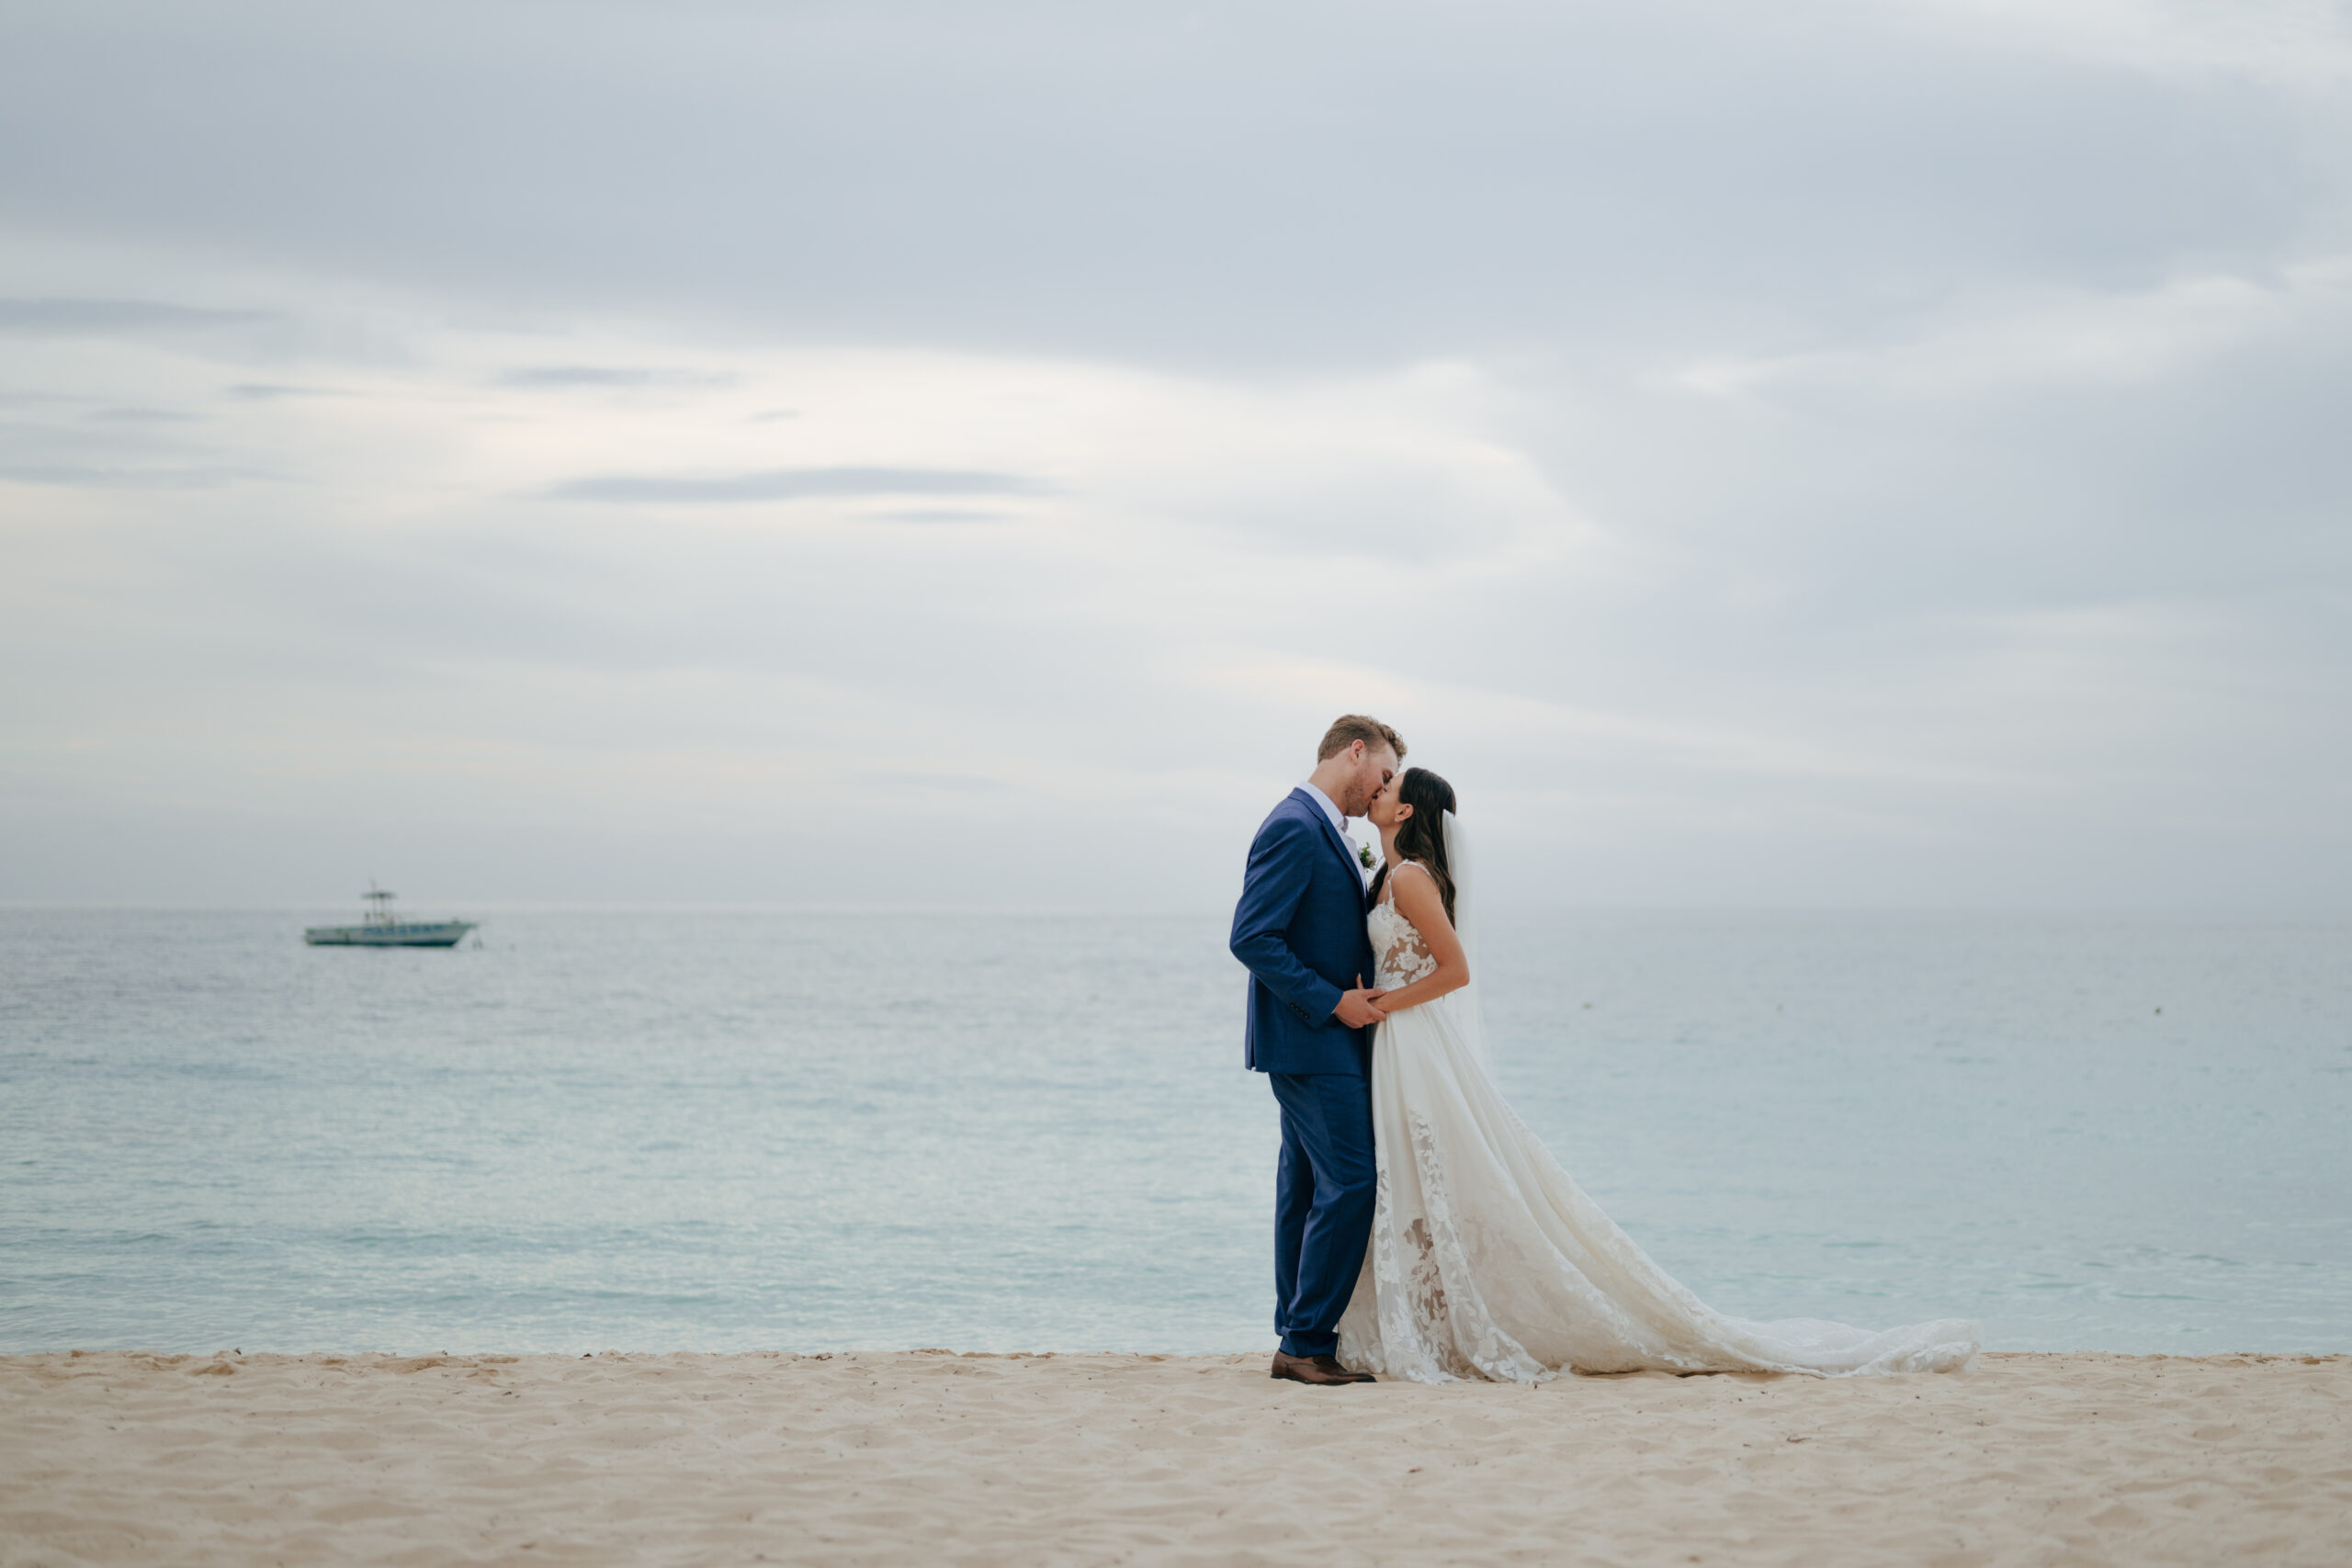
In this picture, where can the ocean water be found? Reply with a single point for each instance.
(662, 1130)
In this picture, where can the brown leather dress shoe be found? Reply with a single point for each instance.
(1323, 1372)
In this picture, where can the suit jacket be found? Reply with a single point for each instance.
(1300, 931)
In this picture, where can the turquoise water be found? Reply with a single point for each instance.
(654, 1130)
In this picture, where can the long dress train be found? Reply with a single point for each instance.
(1488, 1261)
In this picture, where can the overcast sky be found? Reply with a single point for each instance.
(1886, 453)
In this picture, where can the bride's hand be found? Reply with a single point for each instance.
(1359, 1009)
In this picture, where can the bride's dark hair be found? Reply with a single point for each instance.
(1422, 835)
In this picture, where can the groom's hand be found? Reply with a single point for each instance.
(1355, 1009)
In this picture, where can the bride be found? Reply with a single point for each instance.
(1486, 1260)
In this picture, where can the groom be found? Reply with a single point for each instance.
(1300, 930)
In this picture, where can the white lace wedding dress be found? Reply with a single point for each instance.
(1488, 1261)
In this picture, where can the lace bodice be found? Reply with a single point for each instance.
(1399, 955)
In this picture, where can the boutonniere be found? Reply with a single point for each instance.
(1363, 853)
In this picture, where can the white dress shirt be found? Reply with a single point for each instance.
(1331, 808)
(1339, 820)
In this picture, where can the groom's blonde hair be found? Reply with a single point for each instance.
(1351, 727)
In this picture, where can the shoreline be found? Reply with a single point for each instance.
(918, 1457)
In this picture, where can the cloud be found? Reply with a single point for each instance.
(270, 391)
(2303, 43)
(79, 477)
(955, 784)
(939, 515)
(1878, 451)
(113, 318)
(2119, 337)
(1227, 186)
(792, 484)
(608, 375)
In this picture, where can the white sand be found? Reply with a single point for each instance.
(927, 1457)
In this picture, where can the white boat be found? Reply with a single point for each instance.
(380, 928)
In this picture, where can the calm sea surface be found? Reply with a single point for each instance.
(723, 1131)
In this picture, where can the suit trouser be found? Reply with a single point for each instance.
(1324, 1186)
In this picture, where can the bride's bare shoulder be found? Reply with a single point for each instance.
(1418, 891)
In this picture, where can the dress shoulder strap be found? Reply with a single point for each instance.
(1416, 865)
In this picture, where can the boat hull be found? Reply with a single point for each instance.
(401, 933)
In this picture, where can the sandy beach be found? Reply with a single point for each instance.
(932, 1457)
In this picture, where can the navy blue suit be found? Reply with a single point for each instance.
(1300, 930)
